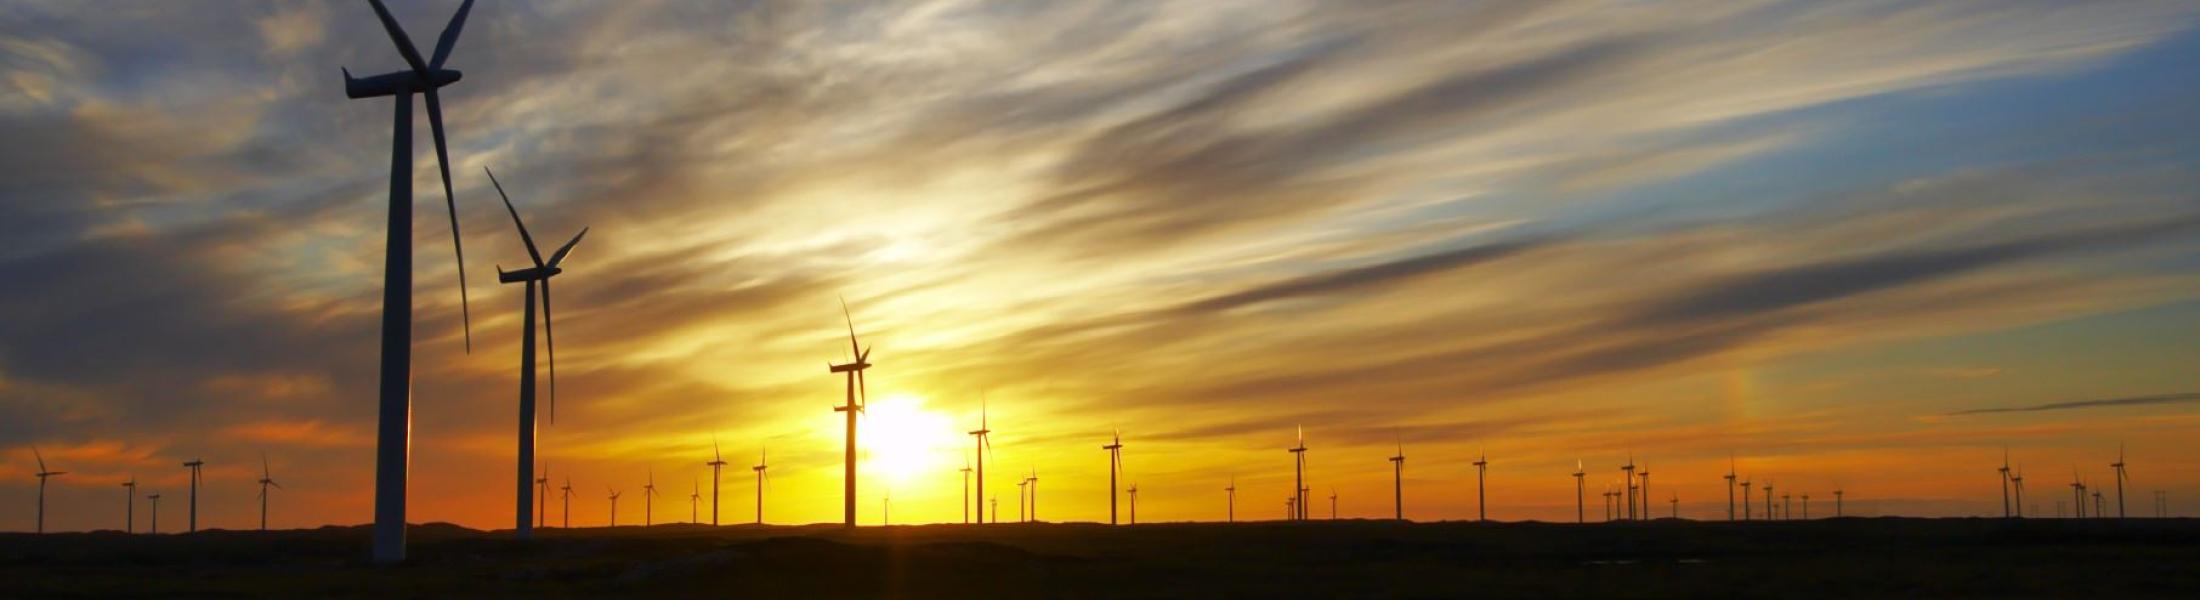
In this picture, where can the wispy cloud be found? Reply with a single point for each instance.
(2180, 398)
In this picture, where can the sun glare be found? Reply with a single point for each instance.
(902, 441)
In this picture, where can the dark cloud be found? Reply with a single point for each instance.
(2179, 398)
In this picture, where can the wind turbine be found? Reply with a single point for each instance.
(393, 446)
(2016, 482)
(966, 492)
(1023, 499)
(1644, 495)
(540, 275)
(2004, 470)
(155, 499)
(984, 441)
(695, 497)
(129, 505)
(2120, 477)
(43, 473)
(1629, 471)
(1806, 506)
(542, 494)
(853, 407)
(1581, 494)
(1769, 514)
(1676, 500)
(1298, 477)
(1115, 467)
(2098, 510)
(1290, 509)
(193, 520)
(1787, 506)
(1608, 506)
(763, 476)
(1729, 487)
(1398, 482)
(566, 494)
(1481, 493)
(1332, 504)
(614, 506)
(1231, 516)
(267, 478)
(1745, 500)
(1034, 479)
(649, 504)
(1134, 503)
(718, 461)
(2077, 490)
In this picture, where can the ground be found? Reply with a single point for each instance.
(1858, 558)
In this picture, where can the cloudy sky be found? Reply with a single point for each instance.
(1857, 244)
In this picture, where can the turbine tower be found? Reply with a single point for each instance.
(2120, 477)
(1837, 501)
(695, 499)
(155, 508)
(1628, 470)
(966, 492)
(539, 275)
(542, 494)
(853, 407)
(1644, 473)
(1134, 503)
(1398, 482)
(1729, 487)
(1745, 500)
(1023, 499)
(393, 445)
(267, 478)
(1298, 477)
(1806, 506)
(1481, 490)
(1769, 514)
(1581, 494)
(566, 494)
(984, 441)
(718, 461)
(1115, 467)
(2016, 482)
(649, 504)
(1034, 480)
(193, 520)
(129, 505)
(1231, 516)
(614, 506)
(763, 475)
(2004, 470)
(2077, 491)
(43, 473)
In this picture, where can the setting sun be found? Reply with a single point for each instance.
(903, 440)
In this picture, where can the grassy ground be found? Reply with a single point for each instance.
(1857, 558)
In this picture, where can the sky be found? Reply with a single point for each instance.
(1851, 245)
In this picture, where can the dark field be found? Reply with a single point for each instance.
(1857, 558)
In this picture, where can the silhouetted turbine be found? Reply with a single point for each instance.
(1231, 516)
(1729, 487)
(1745, 500)
(155, 508)
(1628, 472)
(763, 478)
(193, 519)
(649, 504)
(1581, 494)
(1298, 476)
(129, 505)
(853, 407)
(1481, 493)
(2120, 477)
(695, 500)
(2004, 471)
(267, 478)
(43, 473)
(393, 446)
(614, 506)
(566, 494)
(1398, 482)
(718, 461)
(538, 275)
(966, 492)
(1115, 467)
(542, 494)
(984, 442)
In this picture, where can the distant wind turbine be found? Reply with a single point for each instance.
(1398, 482)
(1770, 514)
(695, 499)
(718, 461)
(538, 275)
(2121, 476)
(1787, 506)
(1676, 500)
(393, 446)
(43, 473)
(155, 511)
(1115, 467)
(193, 519)
(1332, 504)
(1806, 506)
(1729, 487)
(1644, 474)
(1231, 516)
(566, 494)
(1298, 476)
(763, 478)
(1581, 494)
(1837, 502)
(853, 407)
(614, 506)
(966, 492)
(1481, 489)
(2077, 488)
(1034, 479)
(2004, 471)
(1745, 500)
(2016, 483)
(1628, 471)
(542, 494)
(129, 505)
(1023, 499)
(649, 496)
(982, 438)
(1134, 503)
(267, 478)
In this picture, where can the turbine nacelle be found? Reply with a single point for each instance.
(398, 82)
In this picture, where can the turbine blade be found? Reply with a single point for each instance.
(524, 238)
(397, 36)
(450, 35)
(559, 256)
(853, 352)
(450, 202)
(550, 339)
(41, 459)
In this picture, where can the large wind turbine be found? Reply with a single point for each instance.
(193, 520)
(1298, 477)
(2120, 477)
(763, 476)
(1398, 482)
(1332, 504)
(1481, 489)
(853, 407)
(1115, 467)
(129, 505)
(267, 478)
(393, 447)
(649, 504)
(717, 461)
(539, 275)
(984, 441)
(43, 473)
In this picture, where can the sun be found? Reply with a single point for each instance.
(903, 441)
